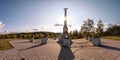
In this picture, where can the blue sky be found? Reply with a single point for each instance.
(43, 14)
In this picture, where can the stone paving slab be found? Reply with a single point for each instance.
(11, 54)
(23, 49)
(33, 51)
(110, 50)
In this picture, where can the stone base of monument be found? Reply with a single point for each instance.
(32, 40)
(67, 42)
(96, 41)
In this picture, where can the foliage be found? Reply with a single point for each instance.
(113, 31)
(37, 35)
(75, 34)
(100, 26)
(87, 28)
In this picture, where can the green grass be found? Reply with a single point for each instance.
(111, 37)
(4, 45)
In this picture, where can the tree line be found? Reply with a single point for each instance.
(113, 31)
(37, 35)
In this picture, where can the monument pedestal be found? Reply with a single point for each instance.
(67, 42)
(64, 42)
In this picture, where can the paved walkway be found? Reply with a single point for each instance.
(80, 50)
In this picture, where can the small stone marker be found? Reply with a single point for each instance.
(44, 39)
(89, 38)
(32, 39)
(97, 40)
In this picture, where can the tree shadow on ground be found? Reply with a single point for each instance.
(32, 47)
(65, 54)
(110, 47)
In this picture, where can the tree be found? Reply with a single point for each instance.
(75, 34)
(100, 26)
(71, 34)
(87, 27)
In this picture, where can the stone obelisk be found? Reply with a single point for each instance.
(65, 28)
(65, 40)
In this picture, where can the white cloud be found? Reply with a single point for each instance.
(74, 27)
(1, 25)
(49, 28)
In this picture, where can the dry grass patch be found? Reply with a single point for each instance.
(4, 45)
(111, 37)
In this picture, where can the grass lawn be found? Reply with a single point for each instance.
(4, 45)
(111, 37)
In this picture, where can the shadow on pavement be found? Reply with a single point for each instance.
(81, 42)
(32, 47)
(65, 54)
(110, 47)
(22, 42)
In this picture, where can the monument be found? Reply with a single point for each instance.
(65, 40)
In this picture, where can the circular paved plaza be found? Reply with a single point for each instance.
(80, 50)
